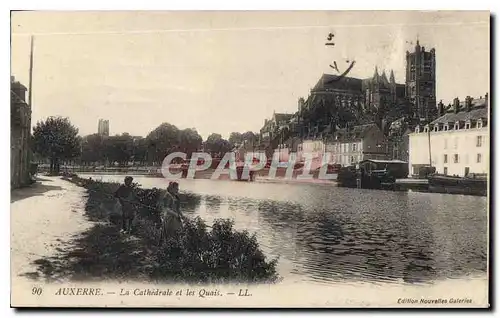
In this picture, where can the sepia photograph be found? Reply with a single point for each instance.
(250, 159)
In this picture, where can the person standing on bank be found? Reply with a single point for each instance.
(126, 197)
(169, 207)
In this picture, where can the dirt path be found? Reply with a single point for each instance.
(44, 218)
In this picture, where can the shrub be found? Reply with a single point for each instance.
(215, 256)
(198, 254)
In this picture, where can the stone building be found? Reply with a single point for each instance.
(421, 83)
(20, 150)
(340, 102)
(385, 99)
(398, 139)
(457, 142)
(103, 127)
(350, 146)
(272, 134)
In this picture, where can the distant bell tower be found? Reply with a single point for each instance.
(421, 82)
(103, 127)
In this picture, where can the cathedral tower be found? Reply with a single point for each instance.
(421, 82)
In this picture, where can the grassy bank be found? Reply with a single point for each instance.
(201, 254)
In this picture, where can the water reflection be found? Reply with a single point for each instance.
(326, 234)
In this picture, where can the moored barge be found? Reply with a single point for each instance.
(470, 185)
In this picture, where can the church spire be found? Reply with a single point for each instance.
(391, 77)
(384, 77)
(375, 75)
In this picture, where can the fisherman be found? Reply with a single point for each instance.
(169, 207)
(126, 197)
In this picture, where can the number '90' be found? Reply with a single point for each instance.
(36, 291)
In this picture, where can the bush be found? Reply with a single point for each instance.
(215, 256)
(198, 254)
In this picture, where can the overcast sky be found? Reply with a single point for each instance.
(226, 71)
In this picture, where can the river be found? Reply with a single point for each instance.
(323, 234)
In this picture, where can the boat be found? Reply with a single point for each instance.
(298, 170)
(372, 174)
(470, 185)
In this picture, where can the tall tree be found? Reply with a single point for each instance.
(216, 145)
(189, 141)
(118, 149)
(56, 139)
(235, 138)
(93, 149)
(163, 140)
(139, 150)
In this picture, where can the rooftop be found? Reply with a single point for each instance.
(328, 81)
(282, 117)
(355, 132)
(478, 110)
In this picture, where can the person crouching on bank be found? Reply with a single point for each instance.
(169, 207)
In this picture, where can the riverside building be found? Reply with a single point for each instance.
(456, 143)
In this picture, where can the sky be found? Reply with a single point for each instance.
(225, 71)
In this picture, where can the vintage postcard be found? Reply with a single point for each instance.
(312, 159)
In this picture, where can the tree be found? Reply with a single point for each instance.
(163, 140)
(189, 141)
(167, 138)
(250, 139)
(139, 150)
(118, 149)
(56, 139)
(216, 145)
(235, 138)
(93, 149)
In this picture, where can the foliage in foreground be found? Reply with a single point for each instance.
(199, 254)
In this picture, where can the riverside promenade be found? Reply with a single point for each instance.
(44, 218)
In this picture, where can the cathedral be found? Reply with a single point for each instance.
(342, 102)
(339, 102)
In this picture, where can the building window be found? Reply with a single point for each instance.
(457, 126)
(417, 129)
(426, 129)
(455, 158)
(467, 125)
(479, 157)
(445, 160)
(445, 171)
(480, 124)
(466, 172)
(436, 127)
(479, 141)
(354, 147)
(352, 159)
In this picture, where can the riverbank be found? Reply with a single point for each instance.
(45, 218)
(198, 255)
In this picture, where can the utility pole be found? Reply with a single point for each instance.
(29, 153)
(429, 139)
(30, 91)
